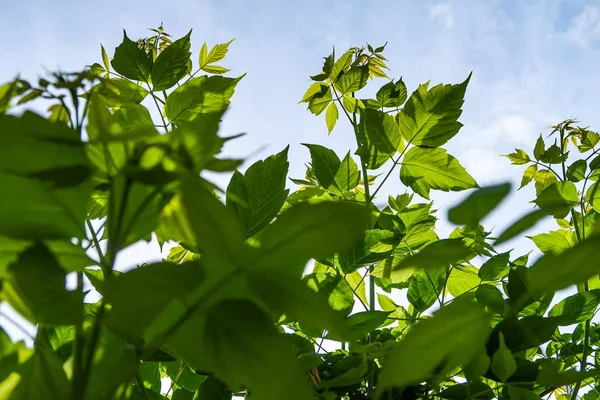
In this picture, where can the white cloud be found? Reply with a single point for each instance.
(443, 13)
(585, 28)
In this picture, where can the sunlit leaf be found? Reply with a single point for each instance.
(131, 61)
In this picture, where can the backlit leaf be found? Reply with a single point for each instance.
(424, 169)
(430, 117)
(558, 198)
(171, 64)
(331, 116)
(576, 308)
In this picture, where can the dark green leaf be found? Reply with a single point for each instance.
(525, 222)
(212, 389)
(362, 323)
(41, 377)
(254, 355)
(422, 291)
(494, 268)
(441, 343)
(391, 94)
(558, 198)
(557, 271)
(34, 285)
(56, 175)
(479, 204)
(503, 362)
(576, 171)
(376, 245)
(261, 189)
(491, 297)
(470, 390)
(131, 61)
(438, 254)
(171, 64)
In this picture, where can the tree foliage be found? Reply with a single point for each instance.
(230, 311)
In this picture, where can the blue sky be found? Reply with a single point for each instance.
(534, 63)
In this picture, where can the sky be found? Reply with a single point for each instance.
(534, 63)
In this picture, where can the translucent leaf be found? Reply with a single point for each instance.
(424, 169)
(199, 96)
(576, 308)
(217, 53)
(462, 279)
(576, 171)
(552, 242)
(430, 117)
(352, 81)
(331, 116)
(528, 175)
(495, 268)
(105, 58)
(519, 157)
(438, 254)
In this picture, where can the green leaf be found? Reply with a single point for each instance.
(325, 165)
(503, 362)
(261, 189)
(391, 94)
(495, 268)
(471, 390)
(120, 92)
(576, 171)
(593, 196)
(576, 308)
(213, 227)
(308, 231)
(519, 157)
(290, 296)
(34, 285)
(539, 149)
(424, 169)
(217, 53)
(462, 279)
(558, 198)
(528, 175)
(313, 90)
(347, 176)
(362, 323)
(339, 66)
(137, 297)
(479, 204)
(543, 179)
(490, 297)
(319, 102)
(438, 254)
(422, 293)
(202, 95)
(341, 297)
(522, 334)
(552, 242)
(557, 271)
(185, 377)
(516, 393)
(41, 377)
(212, 389)
(105, 58)
(352, 81)
(331, 116)
(451, 337)
(171, 64)
(254, 355)
(522, 224)
(56, 175)
(376, 245)
(554, 155)
(430, 117)
(381, 131)
(131, 61)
